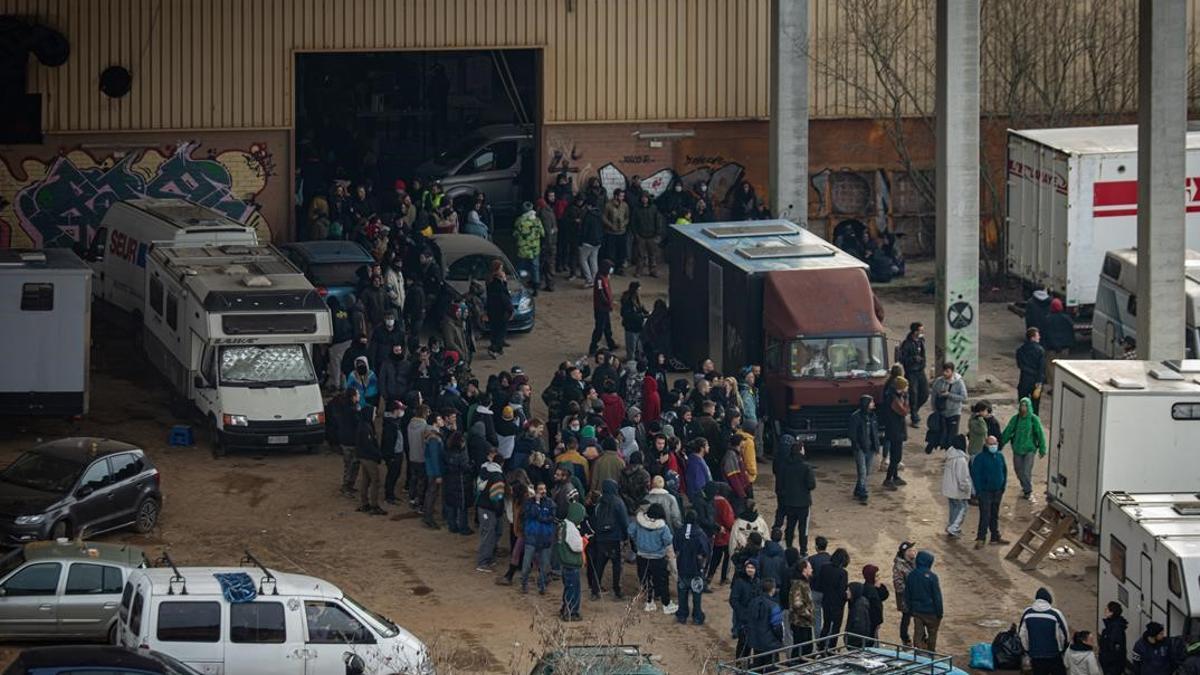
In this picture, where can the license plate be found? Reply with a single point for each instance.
(277, 440)
(806, 437)
(841, 443)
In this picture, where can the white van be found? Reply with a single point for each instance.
(1114, 321)
(280, 624)
(118, 251)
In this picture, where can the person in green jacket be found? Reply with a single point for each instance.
(1025, 433)
(569, 549)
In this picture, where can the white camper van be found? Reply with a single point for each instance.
(119, 249)
(46, 334)
(1150, 561)
(1122, 426)
(246, 621)
(232, 328)
(1115, 317)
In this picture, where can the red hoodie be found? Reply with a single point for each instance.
(614, 412)
(651, 402)
(724, 520)
(601, 293)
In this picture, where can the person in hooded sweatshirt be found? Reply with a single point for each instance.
(902, 565)
(363, 379)
(748, 522)
(956, 485)
(651, 537)
(1112, 639)
(864, 439)
(1080, 657)
(765, 626)
(876, 593)
(1044, 634)
(831, 582)
(1152, 652)
(1024, 431)
(858, 617)
(772, 563)
(742, 592)
(923, 595)
(693, 549)
(610, 521)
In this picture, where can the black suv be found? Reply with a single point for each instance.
(107, 660)
(74, 485)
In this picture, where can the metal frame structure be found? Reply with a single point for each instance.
(881, 658)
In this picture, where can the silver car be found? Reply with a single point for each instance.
(55, 590)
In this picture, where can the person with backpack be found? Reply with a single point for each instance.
(610, 520)
(652, 538)
(858, 617)
(692, 552)
(489, 509)
(569, 550)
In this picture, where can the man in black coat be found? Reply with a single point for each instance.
(864, 438)
(794, 482)
(1031, 362)
(912, 357)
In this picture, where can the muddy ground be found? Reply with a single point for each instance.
(286, 509)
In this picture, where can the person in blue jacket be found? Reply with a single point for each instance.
(923, 592)
(539, 528)
(989, 474)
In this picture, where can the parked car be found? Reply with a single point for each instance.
(64, 590)
(467, 258)
(82, 484)
(597, 660)
(331, 266)
(281, 624)
(76, 660)
(496, 160)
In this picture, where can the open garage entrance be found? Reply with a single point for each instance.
(470, 119)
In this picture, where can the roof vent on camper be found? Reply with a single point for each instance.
(764, 252)
(1187, 508)
(1166, 374)
(1123, 383)
(1187, 366)
(256, 281)
(735, 231)
(234, 249)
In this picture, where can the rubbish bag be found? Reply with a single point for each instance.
(1007, 650)
(981, 656)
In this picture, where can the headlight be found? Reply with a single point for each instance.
(314, 419)
(235, 420)
(30, 520)
(524, 304)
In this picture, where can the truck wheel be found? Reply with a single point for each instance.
(214, 440)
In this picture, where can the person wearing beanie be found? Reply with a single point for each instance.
(1044, 634)
(652, 538)
(876, 593)
(1152, 652)
(608, 465)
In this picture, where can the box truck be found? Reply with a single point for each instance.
(131, 228)
(1150, 561)
(1071, 197)
(775, 294)
(1121, 426)
(45, 342)
(1114, 319)
(232, 329)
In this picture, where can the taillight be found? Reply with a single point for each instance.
(322, 291)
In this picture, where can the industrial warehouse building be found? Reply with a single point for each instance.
(237, 104)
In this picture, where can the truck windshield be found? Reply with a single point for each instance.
(266, 366)
(839, 357)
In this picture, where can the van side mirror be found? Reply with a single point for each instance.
(199, 382)
(354, 664)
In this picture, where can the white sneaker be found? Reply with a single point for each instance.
(650, 606)
(671, 608)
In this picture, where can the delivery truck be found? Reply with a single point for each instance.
(232, 329)
(1114, 320)
(1121, 426)
(46, 334)
(1150, 561)
(771, 293)
(1071, 197)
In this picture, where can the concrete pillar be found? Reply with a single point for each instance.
(956, 326)
(789, 110)
(1162, 130)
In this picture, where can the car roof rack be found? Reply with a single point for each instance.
(177, 578)
(267, 579)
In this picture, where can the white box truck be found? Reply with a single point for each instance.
(1150, 561)
(1071, 197)
(46, 333)
(232, 328)
(131, 228)
(1122, 426)
(1114, 319)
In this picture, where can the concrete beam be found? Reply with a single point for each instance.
(1162, 131)
(956, 326)
(789, 110)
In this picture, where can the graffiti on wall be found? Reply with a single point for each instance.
(61, 201)
(884, 199)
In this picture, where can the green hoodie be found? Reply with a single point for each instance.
(1025, 431)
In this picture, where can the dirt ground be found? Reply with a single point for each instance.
(285, 508)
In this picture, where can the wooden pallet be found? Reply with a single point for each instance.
(1037, 544)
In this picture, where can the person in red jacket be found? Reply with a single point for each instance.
(614, 407)
(651, 400)
(720, 554)
(602, 299)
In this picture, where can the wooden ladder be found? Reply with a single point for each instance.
(1059, 523)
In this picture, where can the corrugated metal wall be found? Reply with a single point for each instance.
(228, 64)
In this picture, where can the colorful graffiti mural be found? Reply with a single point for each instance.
(61, 201)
